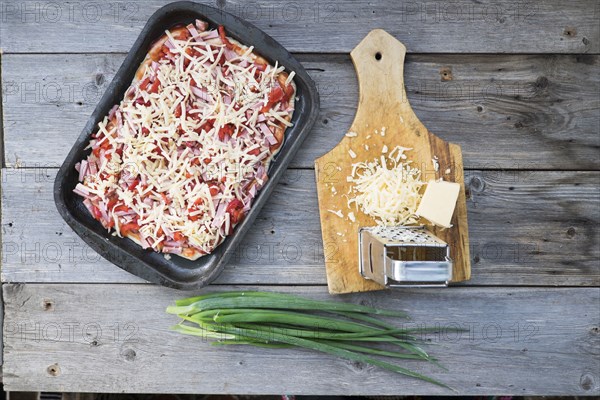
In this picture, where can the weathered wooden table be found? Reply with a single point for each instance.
(516, 84)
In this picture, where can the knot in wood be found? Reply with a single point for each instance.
(446, 74)
(53, 370)
(48, 305)
(587, 382)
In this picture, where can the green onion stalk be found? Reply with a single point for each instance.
(276, 320)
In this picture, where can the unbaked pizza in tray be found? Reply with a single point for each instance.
(176, 165)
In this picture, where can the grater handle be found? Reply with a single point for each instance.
(419, 271)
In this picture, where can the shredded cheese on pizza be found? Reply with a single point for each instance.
(176, 165)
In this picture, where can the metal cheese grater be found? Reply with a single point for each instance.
(403, 256)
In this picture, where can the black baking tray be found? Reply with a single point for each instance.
(178, 272)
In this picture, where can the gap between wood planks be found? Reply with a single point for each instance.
(310, 55)
(323, 285)
(312, 169)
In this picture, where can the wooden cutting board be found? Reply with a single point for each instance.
(383, 105)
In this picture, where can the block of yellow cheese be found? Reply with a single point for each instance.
(438, 202)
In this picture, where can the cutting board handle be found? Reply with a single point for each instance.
(379, 63)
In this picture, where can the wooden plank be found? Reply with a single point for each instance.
(437, 26)
(1, 113)
(1, 336)
(542, 110)
(526, 228)
(382, 106)
(115, 338)
(2, 161)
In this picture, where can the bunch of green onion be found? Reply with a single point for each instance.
(278, 320)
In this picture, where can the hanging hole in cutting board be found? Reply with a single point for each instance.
(378, 56)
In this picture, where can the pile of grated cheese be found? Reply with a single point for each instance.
(387, 188)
